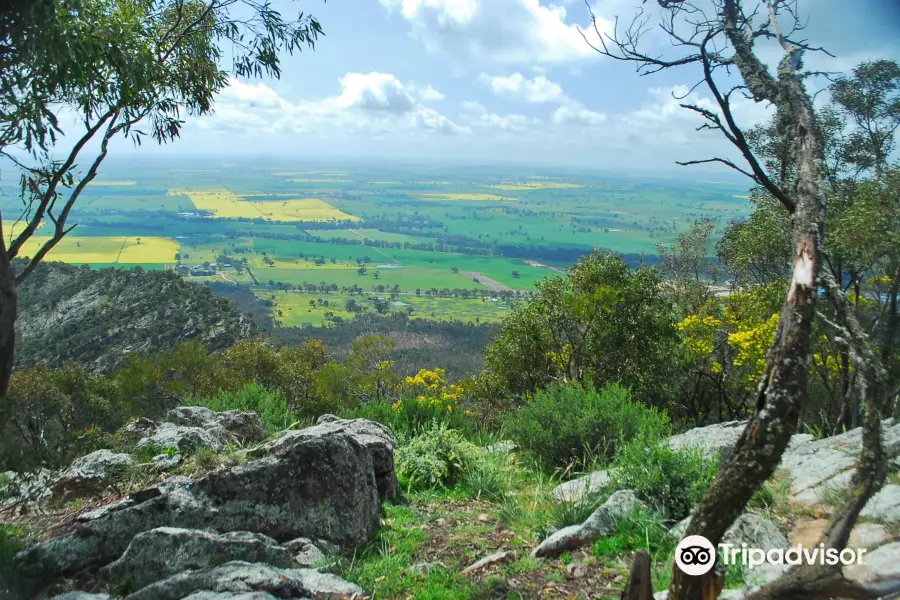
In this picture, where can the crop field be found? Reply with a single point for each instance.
(295, 309)
(107, 250)
(460, 237)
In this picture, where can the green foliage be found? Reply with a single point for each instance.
(603, 323)
(50, 416)
(438, 457)
(205, 459)
(672, 481)
(640, 529)
(271, 407)
(11, 542)
(564, 513)
(562, 426)
(489, 478)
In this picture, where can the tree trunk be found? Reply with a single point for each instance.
(640, 581)
(8, 314)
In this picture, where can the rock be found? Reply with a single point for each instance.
(91, 474)
(487, 561)
(501, 447)
(207, 595)
(243, 425)
(601, 522)
(575, 490)
(817, 466)
(725, 595)
(244, 577)
(575, 571)
(808, 533)
(321, 486)
(137, 429)
(235, 424)
(184, 438)
(81, 596)
(164, 462)
(712, 439)
(881, 563)
(159, 553)
(305, 552)
(885, 505)
(376, 438)
(192, 416)
(426, 567)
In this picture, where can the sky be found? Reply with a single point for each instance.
(484, 81)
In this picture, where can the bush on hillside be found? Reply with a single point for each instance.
(562, 426)
(438, 457)
(672, 481)
(52, 416)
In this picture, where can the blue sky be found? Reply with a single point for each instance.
(494, 80)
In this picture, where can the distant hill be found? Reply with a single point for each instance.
(97, 317)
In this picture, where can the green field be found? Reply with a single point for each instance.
(488, 231)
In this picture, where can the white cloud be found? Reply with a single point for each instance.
(573, 113)
(372, 104)
(500, 31)
(539, 89)
(471, 106)
(374, 91)
(425, 93)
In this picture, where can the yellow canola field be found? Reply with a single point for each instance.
(12, 228)
(542, 185)
(464, 197)
(224, 204)
(308, 209)
(108, 249)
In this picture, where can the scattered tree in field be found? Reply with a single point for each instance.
(454, 269)
(515, 274)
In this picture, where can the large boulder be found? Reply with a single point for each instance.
(184, 438)
(91, 474)
(322, 486)
(712, 439)
(244, 578)
(377, 439)
(160, 553)
(601, 522)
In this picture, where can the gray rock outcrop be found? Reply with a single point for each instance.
(377, 439)
(160, 553)
(244, 578)
(322, 485)
(90, 474)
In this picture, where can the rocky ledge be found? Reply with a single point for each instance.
(256, 530)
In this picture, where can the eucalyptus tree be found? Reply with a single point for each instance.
(720, 39)
(121, 68)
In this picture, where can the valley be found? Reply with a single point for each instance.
(447, 243)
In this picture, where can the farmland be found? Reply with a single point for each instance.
(439, 243)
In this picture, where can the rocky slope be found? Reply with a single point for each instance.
(97, 318)
(261, 528)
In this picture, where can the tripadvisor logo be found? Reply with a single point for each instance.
(695, 555)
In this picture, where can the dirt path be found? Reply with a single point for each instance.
(486, 281)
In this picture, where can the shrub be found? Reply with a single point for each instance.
(671, 480)
(490, 477)
(11, 542)
(438, 457)
(411, 416)
(565, 425)
(51, 416)
(271, 407)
